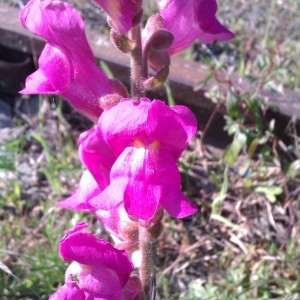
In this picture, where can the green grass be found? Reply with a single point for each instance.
(30, 223)
(269, 276)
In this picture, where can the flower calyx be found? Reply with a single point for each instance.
(121, 41)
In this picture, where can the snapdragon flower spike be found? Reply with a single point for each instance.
(102, 271)
(123, 14)
(147, 139)
(66, 65)
(191, 19)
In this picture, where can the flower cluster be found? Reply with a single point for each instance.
(131, 153)
(96, 265)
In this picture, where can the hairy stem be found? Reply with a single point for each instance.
(147, 269)
(137, 88)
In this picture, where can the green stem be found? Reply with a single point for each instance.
(137, 88)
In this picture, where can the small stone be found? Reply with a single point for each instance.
(5, 116)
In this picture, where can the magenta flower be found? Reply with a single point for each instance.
(131, 162)
(147, 138)
(66, 65)
(191, 19)
(99, 269)
(122, 13)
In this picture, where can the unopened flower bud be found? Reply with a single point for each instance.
(158, 59)
(122, 42)
(158, 79)
(154, 23)
(160, 40)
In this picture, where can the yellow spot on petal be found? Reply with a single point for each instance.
(155, 145)
(138, 143)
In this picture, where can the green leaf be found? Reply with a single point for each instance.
(253, 147)
(232, 152)
(232, 104)
(270, 192)
(220, 197)
(294, 169)
(171, 100)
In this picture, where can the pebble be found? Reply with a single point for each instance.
(5, 116)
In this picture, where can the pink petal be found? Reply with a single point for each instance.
(148, 138)
(192, 19)
(132, 122)
(132, 288)
(175, 126)
(54, 65)
(85, 249)
(79, 200)
(57, 22)
(110, 197)
(149, 178)
(212, 29)
(176, 204)
(149, 122)
(96, 155)
(187, 119)
(121, 12)
(141, 199)
(69, 291)
(98, 282)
